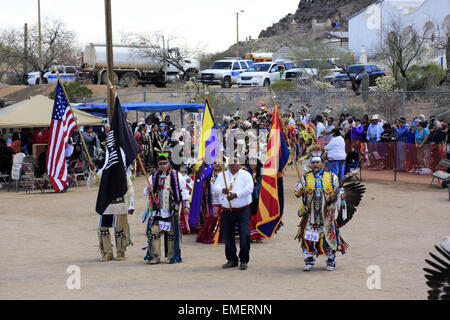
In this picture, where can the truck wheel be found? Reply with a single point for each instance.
(105, 77)
(266, 83)
(227, 82)
(191, 74)
(131, 78)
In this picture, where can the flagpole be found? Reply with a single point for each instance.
(79, 130)
(217, 228)
(111, 87)
(290, 150)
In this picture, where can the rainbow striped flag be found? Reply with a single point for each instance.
(271, 197)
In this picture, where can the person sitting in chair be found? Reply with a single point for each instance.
(78, 155)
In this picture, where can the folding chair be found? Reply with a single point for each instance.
(439, 174)
(16, 170)
(81, 171)
(4, 179)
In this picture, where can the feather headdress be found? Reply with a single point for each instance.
(316, 153)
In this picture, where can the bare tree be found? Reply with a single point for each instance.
(58, 47)
(305, 48)
(11, 56)
(439, 37)
(160, 47)
(403, 46)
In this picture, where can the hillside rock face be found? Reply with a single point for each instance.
(321, 10)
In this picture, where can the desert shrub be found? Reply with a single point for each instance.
(424, 77)
(387, 83)
(354, 111)
(75, 92)
(282, 85)
(322, 86)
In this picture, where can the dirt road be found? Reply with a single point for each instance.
(396, 226)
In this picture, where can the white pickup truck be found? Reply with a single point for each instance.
(66, 73)
(224, 72)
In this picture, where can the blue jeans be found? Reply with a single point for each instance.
(242, 219)
(337, 167)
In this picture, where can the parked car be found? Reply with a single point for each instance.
(296, 73)
(372, 70)
(307, 69)
(66, 73)
(286, 64)
(224, 72)
(259, 74)
(334, 70)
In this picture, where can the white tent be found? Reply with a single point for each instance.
(36, 112)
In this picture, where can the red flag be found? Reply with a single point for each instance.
(61, 126)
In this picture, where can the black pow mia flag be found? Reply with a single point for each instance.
(122, 150)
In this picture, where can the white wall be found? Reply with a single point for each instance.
(370, 26)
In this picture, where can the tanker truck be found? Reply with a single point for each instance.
(134, 64)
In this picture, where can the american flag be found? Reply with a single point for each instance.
(61, 126)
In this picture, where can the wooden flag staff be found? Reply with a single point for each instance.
(290, 150)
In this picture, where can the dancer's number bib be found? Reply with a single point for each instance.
(312, 236)
(164, 225)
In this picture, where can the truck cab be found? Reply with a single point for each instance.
(66, 73)
(224, 72)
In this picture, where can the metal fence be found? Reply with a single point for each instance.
(386, 161)
(389, 104)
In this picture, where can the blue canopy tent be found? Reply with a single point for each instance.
(155, 106)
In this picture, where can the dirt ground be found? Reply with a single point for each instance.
(395, 227)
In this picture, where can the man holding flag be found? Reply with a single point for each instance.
(271, 198)
(115, 194)
(235, 187)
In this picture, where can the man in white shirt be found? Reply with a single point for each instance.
(326, 133)
(336, 154)
(304, 117)
(319, 126)
(236, 197)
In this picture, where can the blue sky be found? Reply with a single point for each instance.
(209, 24)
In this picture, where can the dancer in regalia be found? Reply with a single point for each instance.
(324, 208)
(165, 198)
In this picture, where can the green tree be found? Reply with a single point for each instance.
(75, 92)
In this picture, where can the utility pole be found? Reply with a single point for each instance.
(25, 50)
(40, 43)
(165, 59)
(109, 59)
(237, 32)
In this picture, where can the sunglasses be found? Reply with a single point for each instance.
(162, 163)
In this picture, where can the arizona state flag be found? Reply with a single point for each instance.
(271, 197)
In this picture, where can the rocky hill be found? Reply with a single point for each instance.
(321, 10)
(312, 17)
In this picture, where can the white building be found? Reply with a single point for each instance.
(370, 26)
